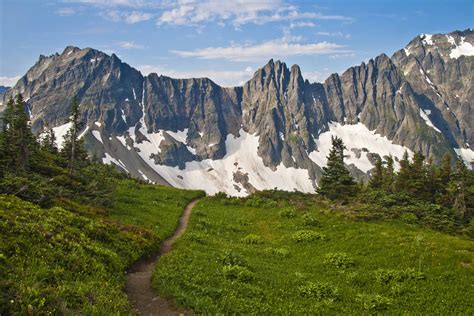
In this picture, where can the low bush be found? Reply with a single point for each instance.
(238, 273)
(318, 291)
(374, 302)
(338, 260)
(303, 236)
(287, 213)
(252, 239)
(386, 276)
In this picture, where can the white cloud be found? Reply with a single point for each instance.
(9, 81)
(127, 17)
(263, 51)
(315, 76)
(237, 12)
(223, 78)
(301, 24)
(335, 34)
(111, 3)
(129, 45)
(136, 16)
(65, 11)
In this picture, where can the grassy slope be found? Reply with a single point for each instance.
(54, 260)
(375, 266)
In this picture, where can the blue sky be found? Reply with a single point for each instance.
(223, 40)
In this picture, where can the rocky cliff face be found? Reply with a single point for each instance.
(275, 131)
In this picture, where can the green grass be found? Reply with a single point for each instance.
(54, 261)
(316, 262)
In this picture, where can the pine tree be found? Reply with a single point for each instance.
(48, 142)
(336, 181)
(376, 181)
(457, 188)
(389, 175)
(19, 142)
(417, 184)
(403, 176)
(73, 148)
(444, 179)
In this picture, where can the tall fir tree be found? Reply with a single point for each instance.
(457, 188)
(403, 177)
(336, 182)
(19, 142)
(73, 147)
(389, 175)
(377, 177)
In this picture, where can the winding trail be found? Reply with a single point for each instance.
(138, 278)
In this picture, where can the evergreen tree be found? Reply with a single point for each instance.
(389, 175)
(376, 181)
(403, 176)
(457, 188)
(336, 181)
(417, 184)
(48, 142)
(19, 142)
(73, 148)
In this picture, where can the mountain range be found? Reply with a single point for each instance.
(272, 132)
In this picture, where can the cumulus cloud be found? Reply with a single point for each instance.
(223, 78)
(9, 81)
(263, 51)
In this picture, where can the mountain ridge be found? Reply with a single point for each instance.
(418, 99)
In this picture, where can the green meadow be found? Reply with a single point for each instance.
(290, 253)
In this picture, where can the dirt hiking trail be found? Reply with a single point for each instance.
(138, 278)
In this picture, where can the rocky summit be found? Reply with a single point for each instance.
(274, 131)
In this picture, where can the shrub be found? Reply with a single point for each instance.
(318, 291)
(287, 213)
(302, 236)
(279, 252)
(374, 302)
(232, 258)
(338, 260)
(309, 220)
(409, 218)
(239, 273)
(385, 276)
(252, 239)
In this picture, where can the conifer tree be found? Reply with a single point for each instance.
(389, 175)
(336, 181)
(18, 140)
(457, 188)
(444, 179)
(73, 148)
(376, 181)
(48, 142)
(403, 176)
(417, 184)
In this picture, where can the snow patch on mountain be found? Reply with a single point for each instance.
(425, 117)
(97, 136)
(60, 132)
(356, 136)
(463, 48)
(466, 154)
(218, 175)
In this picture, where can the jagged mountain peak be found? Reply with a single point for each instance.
(275, 130)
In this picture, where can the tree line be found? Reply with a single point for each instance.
(444, 190)
(35, 169)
